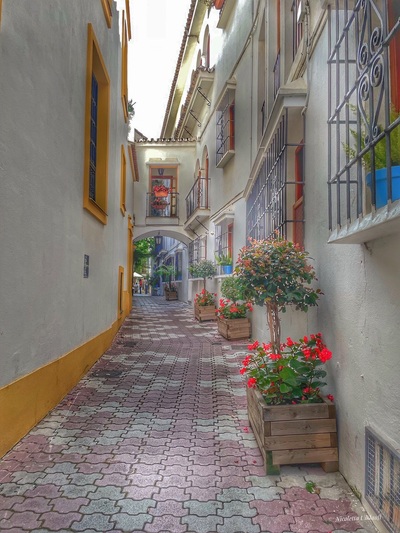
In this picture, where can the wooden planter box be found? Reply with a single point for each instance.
(170, 295)
(234, 328)
(204, 312)
(294, 434)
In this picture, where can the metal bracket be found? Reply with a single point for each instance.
(204, 96)
(196, 119)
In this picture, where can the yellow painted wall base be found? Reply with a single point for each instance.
(26, 401)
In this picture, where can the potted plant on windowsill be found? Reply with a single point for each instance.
(225, 261)
(292, 421)
(379, 160)
(159, 204)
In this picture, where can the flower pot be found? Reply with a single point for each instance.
(170, 295)
(218, 4)
(294, 434)
(381, 185)
(161, 194)
(234, 328)
(204, 312)
(227, 269)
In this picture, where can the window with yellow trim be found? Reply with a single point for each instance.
(97, 118)
(120, 291)
(123, 181)
(107, 8)
(124, 70)
(128, 18)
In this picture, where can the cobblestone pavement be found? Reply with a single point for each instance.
(156, 439)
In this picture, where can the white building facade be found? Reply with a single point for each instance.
(66, 199)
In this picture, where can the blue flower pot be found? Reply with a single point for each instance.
(227, 269)
(381, 185)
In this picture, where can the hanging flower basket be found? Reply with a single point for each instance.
(160, 191)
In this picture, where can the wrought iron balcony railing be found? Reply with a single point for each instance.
(165, 206)
(197, 197)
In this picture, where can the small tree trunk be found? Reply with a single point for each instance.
(204, 283)
(274, 325)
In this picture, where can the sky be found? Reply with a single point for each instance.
(157, 32)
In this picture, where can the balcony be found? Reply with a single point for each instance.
(197, 206)
(164, 207)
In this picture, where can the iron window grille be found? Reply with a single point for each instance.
(198, 196)
(93, 138)
(197, 250)
(382, 479)
(271, 205)
(361, 66)
(225, 126)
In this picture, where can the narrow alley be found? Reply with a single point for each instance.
(156, 439)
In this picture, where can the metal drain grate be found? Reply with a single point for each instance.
(108, 373)
(129, 343)
(382, 480)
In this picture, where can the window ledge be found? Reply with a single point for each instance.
(222, 276)
(225, 158)
(383, 222)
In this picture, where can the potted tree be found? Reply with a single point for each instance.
(168, 272)
(292, 421)
(204, 302)
(232, 319)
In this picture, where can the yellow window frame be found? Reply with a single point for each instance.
(128, 18)
(124, 69)
(96, 66)
(123, 181)
(107, 8)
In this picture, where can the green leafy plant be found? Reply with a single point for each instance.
(231, 288)
(275, 273)
(203, 269)
(167, 272)
(223, 260)
(291, 375)
(380, 147)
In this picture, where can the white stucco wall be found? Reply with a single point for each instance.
(47, 307)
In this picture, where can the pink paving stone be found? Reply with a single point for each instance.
(204, 470)
(306, 523)
(301, 507)
(173, 481)
(67, 505)
(26, 521)
(48, 491)
(144, 469)
(97, 458)
(275, 524)
(203, 495)
(146, 480)
(37, 505)
(7, 503)
(204, 482)
(171, 493)
(272, 508)
(112, 479)
(56, 521)
(165, 523)
(141, 493)
(298, 493)
(352, 522)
